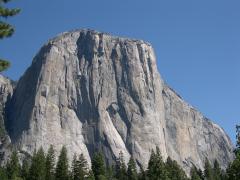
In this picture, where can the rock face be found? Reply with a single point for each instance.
(6, 91)
(190, 136)
(91, 91)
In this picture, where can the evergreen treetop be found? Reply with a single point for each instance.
(37, 169)
(50, 163)
(156, 167)
(6, 30)
(132, 170)
(13, 166)
(62, 170)
(98, 166)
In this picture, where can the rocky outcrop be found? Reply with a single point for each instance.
(91, 91)
(190, 136)
(6, 91)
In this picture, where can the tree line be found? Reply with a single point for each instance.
(43, 166)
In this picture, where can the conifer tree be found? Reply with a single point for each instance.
(233, 171)
(50, 163)
(194, 174)
(156, 167)
(3, 173)
(208, 170)
(121, 169)
(175, 172)
(142, 175)
(79, 168)
(74, 167)
(62, 171)
(13, 167)
(110, 172)
(98, 166)
(37, 169)
(25, 169)
(132, 170)
(237, 150)
(218, 175)
(90, 175)
(6, 30)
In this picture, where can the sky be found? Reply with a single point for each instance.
(197, 43)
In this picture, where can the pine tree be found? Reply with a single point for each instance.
(90, 175)
(233, 171)
(74, 167)
(13, 167)
(121, 169)
(79, 168)
(175, 172)
(110, 173)
(208, 171)
(38, 166)
(62, 166)
(3, 173)
(132, 170)
(25, 169)
(156, 167)
(98, 166)
(237, 150)
(195, 174)
(50, 164)
(142, 175)
(6, 30)
(217, 171)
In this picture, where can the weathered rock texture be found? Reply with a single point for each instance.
(92, 91)
(6, 91)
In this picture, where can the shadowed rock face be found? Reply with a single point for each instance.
(92, 91)
(6, 91)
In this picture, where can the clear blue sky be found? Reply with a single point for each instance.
(197, 42)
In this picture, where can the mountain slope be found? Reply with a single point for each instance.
(92, 91)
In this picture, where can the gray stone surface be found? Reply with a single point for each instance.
(6, 91)
(192, 137)
(91, 91)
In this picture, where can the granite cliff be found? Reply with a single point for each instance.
(93, 91)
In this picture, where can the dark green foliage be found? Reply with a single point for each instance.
(6, 30)
(217, 171)
(132, 170)
(50, 164)
(62, 166)
(38, 166)
(195, 175)
(156, 167)
(90, 175)
(233, 171)
(142, 175)
(175, 172)
(13, 167)
(110, 173)
(44, 168)
(79, 168)
(121, 169)
(3, 174)
(237, 150)
(208, 171)
(98, 166)
(25, 169)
